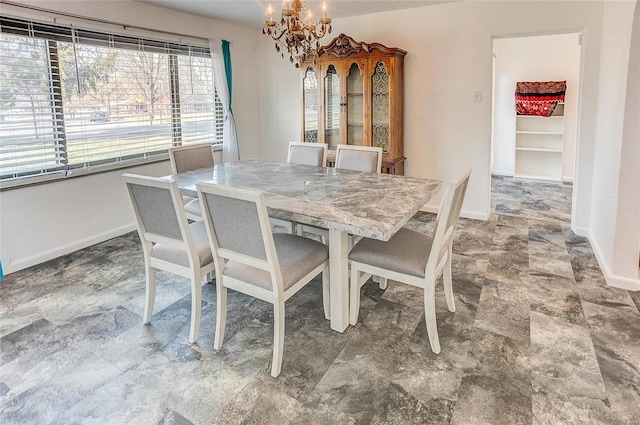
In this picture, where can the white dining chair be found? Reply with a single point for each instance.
(307, 153)
(413, 258)
(169, 242)
(188, 158)
(359, 158)
(355, 158)
(303, 153)
(249, 258)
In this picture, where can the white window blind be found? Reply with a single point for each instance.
(78, 99)
(202, 115)
(29, 123)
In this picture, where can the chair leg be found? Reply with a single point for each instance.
(430, 315)
(354, 297)
(448, 284)
(326, 293)
(150, 294)
(196, 306)
(278, 338)
(381, 281)
(221, 314)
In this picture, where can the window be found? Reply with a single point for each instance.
(74, 101)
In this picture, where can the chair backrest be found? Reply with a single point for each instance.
(359, 158)
(191, 157)
(239, 229)
(447, 219)
(307, 153)
(157, 205)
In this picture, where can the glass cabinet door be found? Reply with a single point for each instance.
(381, 107)
(310, 99)
(355, 106)
(333, 105)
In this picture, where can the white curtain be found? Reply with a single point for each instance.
(229, 137)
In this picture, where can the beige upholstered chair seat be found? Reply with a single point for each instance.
(297, 256)
(406, 252)
(179, 255)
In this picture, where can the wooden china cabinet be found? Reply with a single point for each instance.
(353, 94)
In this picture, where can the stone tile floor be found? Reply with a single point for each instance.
(537, 338)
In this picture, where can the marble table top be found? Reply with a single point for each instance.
(365, 204)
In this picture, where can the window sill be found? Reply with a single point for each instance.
(20, 182)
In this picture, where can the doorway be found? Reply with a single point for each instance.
(548, 57)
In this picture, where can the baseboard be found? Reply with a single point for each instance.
(616, 281)
(474, 215)
(502, 173)
(581, 231)
(24, 263)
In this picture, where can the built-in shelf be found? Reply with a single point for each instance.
(539, 146)
(558, 133)
(540, 150)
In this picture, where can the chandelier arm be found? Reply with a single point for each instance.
(276, 38)
(312, 30)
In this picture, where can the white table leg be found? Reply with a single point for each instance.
(339, 280)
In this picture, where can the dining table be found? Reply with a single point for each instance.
(371, 205)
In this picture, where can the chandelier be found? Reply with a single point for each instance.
(299, 37)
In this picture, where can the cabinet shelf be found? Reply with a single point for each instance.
(545, 133)
(551, 150)
(539, 146)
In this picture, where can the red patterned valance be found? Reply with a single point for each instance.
(539, 98)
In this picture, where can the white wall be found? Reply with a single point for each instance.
(615, 226)
(538, 58)
(42, 222)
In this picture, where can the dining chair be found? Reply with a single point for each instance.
(413, 258)
(355, 158)
(307, 153)
(359, 158)
(189, 158)
(304, 153)
(169, 242)
(249, 258)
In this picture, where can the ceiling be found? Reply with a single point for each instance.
(251, 13)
